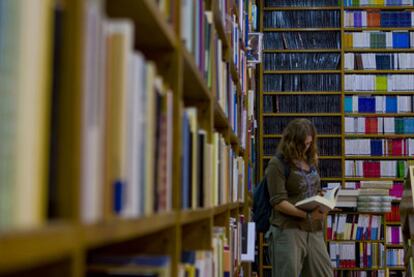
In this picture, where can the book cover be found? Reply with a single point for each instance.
(326, 202)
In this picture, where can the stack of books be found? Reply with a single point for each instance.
(374, 196)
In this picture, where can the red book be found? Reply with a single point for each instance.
(397, 147)
(371, 125)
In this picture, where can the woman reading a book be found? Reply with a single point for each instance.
(296, 243)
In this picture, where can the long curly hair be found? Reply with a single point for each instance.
(292, 144)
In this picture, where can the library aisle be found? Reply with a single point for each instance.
(127, 132)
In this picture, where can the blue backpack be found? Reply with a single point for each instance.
(261, 202)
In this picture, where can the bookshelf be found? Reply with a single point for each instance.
(351, 36)
(99, 52)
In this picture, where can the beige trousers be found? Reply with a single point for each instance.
(295, 253)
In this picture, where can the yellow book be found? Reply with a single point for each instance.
(120, 34)
(33, 112)
(150, 125)
(348, 40)
(190, 270)
(381, 83)
(192, 115)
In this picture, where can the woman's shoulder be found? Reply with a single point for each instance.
(276, 162)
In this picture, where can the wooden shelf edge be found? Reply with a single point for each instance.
(373, 179)
(24, 249)
(146, 16)
(119, 230)
(379, 135)
(347, 157)
(219, 26)
(220, 119)
(379, 7)
(356, 50)
(379, 114)
(359, 268)
(191, 216)
(221, 209)
(195, 88)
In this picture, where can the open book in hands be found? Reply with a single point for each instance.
(325, 203)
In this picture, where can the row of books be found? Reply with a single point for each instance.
(365, 200)
(373, 200)
(127, 128)
(379, 147)
(221, 260)
(364, 3)
(378, 19)
(196, 29)
(378, 104)
(301, 103)
(302, 19)
(396, 187)
(301, 61)
(301, 40)
(301, 82)
(393, 234)
(380, 61)
(379, 125)
(357, 254)
(333, 3)
(326, 146)
(354, 227)
(212, 173)
(359, 273)
(330, 168)
(324, 124)
(374, 169)
(377, 82)
(372, 39)
(395, 257)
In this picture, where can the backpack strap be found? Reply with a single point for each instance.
(285, 164)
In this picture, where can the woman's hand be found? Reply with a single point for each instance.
(316, 214)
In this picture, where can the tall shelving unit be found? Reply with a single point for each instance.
(62, 246)
(269, 139)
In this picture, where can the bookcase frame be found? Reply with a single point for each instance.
(61, 248)
(342, 93)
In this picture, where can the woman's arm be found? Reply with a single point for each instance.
(289, 209)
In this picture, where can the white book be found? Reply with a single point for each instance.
(325, 203)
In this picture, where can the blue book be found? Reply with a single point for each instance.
(376, 147)
(408, 125)
(366, 104)
(391, 104)
(185, 170)
(348, 104)
(118, 193)
(400, 40)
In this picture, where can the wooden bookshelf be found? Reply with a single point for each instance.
(23, 249)
(269, 137)
(61, 246)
